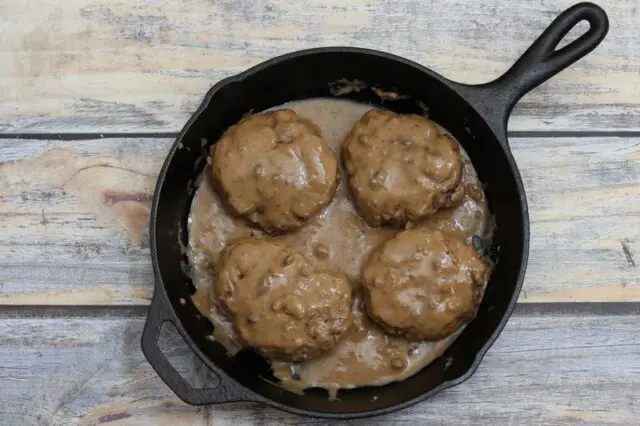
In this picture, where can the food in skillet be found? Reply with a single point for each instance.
(423, 284)
(275, 169)
(366, 353)
(279, 303)
(401, 168)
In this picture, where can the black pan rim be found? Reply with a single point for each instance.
(238, 78)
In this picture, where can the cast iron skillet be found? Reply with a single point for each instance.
(476, 115)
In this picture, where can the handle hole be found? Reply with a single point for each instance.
(574, 33)
(184, 360)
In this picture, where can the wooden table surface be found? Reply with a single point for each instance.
(92, 93)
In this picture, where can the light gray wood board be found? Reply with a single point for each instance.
(122, 66)
(74, 219)
(542, 370)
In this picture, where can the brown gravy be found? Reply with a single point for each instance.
(336, 239)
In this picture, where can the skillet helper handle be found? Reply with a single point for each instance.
(541, 61)
(227, 390)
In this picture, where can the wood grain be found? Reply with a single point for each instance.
(542, 370)
(122, 66)
(74, 218)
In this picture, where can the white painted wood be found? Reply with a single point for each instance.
(552, 370)
(74, 218)
(144, 66)
(74, 215)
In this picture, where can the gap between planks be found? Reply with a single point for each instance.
(173, 135)
(135, 311)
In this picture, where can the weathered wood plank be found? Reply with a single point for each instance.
(74, 216)
(542, 370)
(121, 66)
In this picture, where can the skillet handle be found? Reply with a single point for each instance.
(227, 390)
(540, 62)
